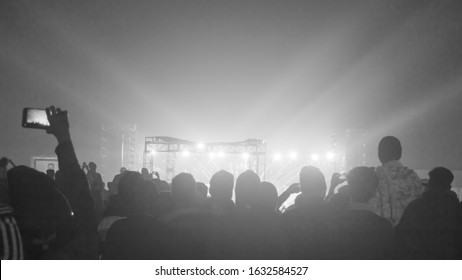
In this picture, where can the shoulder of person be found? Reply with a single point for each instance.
(384, 222)
(409, 173)
(417, 205)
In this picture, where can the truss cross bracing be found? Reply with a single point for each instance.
(253, 149)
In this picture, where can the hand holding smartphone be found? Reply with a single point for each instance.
(53, 120)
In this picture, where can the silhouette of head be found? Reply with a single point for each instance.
(440, 179)
(312, 183)
(51, 173)
(389, 149)
(162, 185)
(131, 189)
(42, 211)
(247, 189)
(222, 184)
(150, 194)
(268, 199)
(145, 173)
(202, 189)
(183, 189)
(123, 169)
(362, 183)
(92, 166)
(51, 166)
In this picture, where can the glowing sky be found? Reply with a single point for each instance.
(286, 71)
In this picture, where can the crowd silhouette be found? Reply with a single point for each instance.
(382, 212)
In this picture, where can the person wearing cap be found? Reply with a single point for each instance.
(431, 226)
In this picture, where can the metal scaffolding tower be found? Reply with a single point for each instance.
(351, 145)
(118, 143)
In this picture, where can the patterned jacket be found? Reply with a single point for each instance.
(398, 186)
(11, 242)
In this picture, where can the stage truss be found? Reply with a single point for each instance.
(252, 151)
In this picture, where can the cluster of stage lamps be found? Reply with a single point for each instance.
(329, 156)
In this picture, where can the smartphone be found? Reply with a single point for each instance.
(35, 118)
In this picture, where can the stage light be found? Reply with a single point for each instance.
(221, 154)
(277, 156)
(186, 153)
(293, 155)
(330, 156)
(315, 157)
(200, 146)
(245, 155)
(153, 152)
(212, 155)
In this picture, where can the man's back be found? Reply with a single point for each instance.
(430, 228)
(249, 234)
(112, 186)
(187, 233)
(361, 234)
(95, 181)
(308, 230)
(398, 186)
(218, 206)
(137, 237)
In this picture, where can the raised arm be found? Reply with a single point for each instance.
(75, 186)
(294, 188)
(335, 180)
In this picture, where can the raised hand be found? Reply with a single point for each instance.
(85, 166)
(336, 180)
(59, 124)
(294, 188)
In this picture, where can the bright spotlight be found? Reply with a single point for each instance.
(212, 155)
(277, 156)
(245, 155)
(186, 153)
(153, 152)
(221, 154)
(330, 156)
(315, 157)
(200, 146)
(293, 155)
